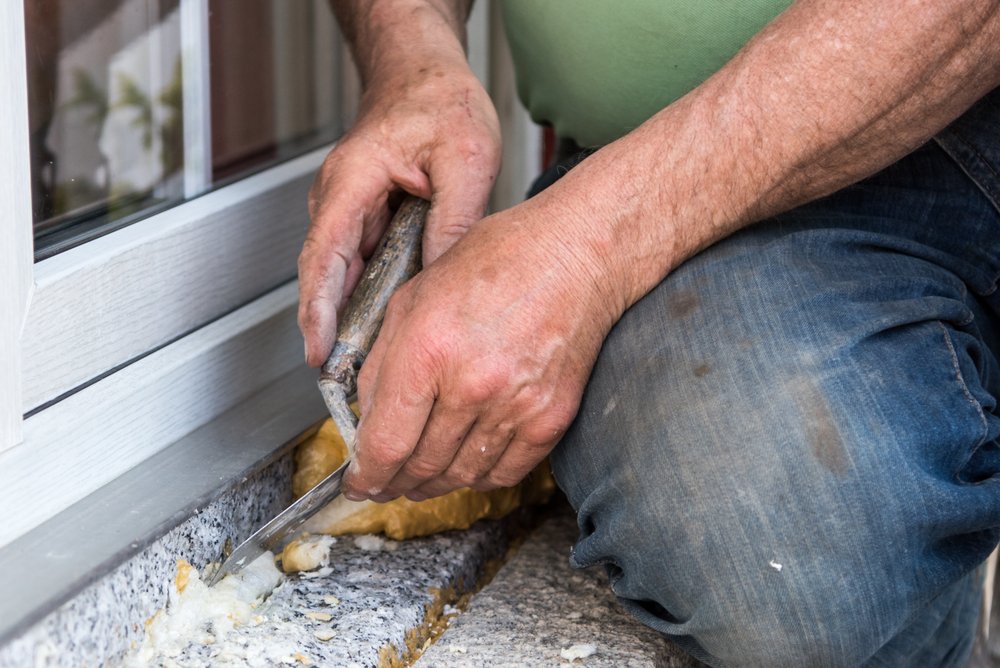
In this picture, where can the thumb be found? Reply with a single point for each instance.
(329, 266)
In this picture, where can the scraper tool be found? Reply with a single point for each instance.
(396, 260)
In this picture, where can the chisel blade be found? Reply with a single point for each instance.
(282, 526)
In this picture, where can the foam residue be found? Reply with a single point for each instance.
(199, 615)
(372, 543)
(578, 652)
(307, 553)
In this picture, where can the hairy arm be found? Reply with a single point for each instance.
(483, 358)
(827, 94)
(379, 32)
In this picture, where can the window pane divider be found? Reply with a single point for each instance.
(197, 97)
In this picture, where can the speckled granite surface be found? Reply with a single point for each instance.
(361, 609)
(363, 603)
(537, 606)
(103, 622)
(381, 595)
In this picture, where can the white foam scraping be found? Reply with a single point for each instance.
(372, 543)
(578, 652)
(202, 615)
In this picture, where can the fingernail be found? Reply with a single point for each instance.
(354, 496)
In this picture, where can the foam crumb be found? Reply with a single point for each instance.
(319, 616)
(321, 573)
(331, 600)
(307, 553)
(373, 543)
(457, 649)
(578, 652)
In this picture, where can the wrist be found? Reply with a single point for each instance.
(401, 37)
(605, 214)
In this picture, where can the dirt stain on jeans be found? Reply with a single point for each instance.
(819, 426)
(682, 304)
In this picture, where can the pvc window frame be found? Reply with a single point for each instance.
(114, 349)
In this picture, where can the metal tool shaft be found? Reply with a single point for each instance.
(396, 260)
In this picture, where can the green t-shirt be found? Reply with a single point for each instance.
(596, 69)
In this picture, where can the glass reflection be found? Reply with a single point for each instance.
(107, 86)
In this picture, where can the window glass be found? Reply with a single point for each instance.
(136, 105)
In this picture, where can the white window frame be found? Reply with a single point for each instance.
(15, 236)
(112, 350)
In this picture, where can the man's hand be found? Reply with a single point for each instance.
(481, 361)
(425, 126)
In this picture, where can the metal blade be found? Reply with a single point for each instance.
(280, 527)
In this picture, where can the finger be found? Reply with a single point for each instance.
(404, 393)
(461, 187)
(340, 209)
(517, 460)
(478, 454)
(443, 435)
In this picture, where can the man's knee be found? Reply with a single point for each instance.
(733, 601)
(776, 471)
(727, 598)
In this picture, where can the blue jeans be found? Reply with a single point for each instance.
(787, 452)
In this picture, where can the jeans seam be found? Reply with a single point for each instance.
(979, 155)
(598, 562)
(993, 284)
(968, 167)
(965, 387)
(969, 170)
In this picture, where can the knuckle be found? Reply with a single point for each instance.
(483, 383)
(475, 390)
(462, 478)
(549, 426)
(423, 469)
(482, 485)
(478, 151)
(502, 479)
(385, 451)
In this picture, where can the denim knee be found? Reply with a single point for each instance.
(787, 452)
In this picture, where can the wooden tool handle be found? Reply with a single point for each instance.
(396, 260)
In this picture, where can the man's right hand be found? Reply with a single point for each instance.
(425, 126)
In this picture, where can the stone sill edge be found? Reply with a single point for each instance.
(50, 565)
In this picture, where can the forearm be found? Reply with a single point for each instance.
(826, 95)
(388, 36)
